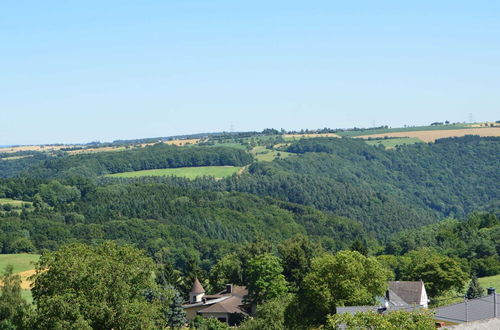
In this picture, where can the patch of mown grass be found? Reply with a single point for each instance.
(186, 172)
(490, 282)
(21, 261)
(392, 143)
(262, 154)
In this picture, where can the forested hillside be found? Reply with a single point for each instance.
(386, 190)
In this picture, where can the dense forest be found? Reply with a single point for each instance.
(393, 206)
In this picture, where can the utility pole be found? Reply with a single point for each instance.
(466, 310)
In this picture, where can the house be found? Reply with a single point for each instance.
(400, 295)
(226, 306)
(470, 310)
(403, 293)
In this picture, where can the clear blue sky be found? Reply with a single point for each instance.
(78, 71)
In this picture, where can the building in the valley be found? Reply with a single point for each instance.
(403, 293)
(400, 295)
(226, 306)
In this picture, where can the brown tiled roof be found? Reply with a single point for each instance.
(197, 288)
(409, 291)
(232, 304)
(229, 305)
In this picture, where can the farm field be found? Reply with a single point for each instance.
(16, 157)
(363, 132)
(24, 266)
(490, 282)
(34, 148)
(182, 142)
(266, 155)
(186, 172)
(432, 135)
(392, 143)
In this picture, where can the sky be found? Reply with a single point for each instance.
(81, 71)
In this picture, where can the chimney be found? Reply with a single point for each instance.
(229, 288)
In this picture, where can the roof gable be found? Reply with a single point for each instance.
(408, 291)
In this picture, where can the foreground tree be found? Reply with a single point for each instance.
(439, 273)
(98, 287)
(201, 323)
(14, 310)
(345, 279)
(265, 279)
(269, 315)
(397, 320)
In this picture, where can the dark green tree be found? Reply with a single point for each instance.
(360, 246)
(475, 290)
(175, 315)
(296, 255)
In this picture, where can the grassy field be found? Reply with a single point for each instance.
(15, 205)
(21, 262)
(24, 266)
(490, 282)
(187, 172)
(392, 143)
(266, 155)
(12, 202)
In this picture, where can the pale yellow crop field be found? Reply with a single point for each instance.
(431, 136)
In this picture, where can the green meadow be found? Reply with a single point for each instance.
(490, 282)
(186, 172)
(21, 262)
(263, 154)
(13, 202)
(392, 143)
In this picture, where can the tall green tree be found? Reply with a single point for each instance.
(439, 273)
(264, 279)
(175, 315)
(269, 315)
(344, 279)
(98, 287)
(296, 255)
(475, 290)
